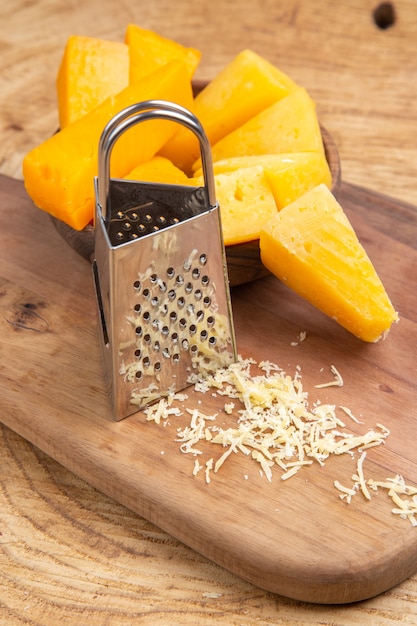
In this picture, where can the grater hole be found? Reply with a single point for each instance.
(181, 302)
(120, 215)
(179, 280)
(188, 288)
(162, 220)
(190, 309)
(137, 285)
(205, 280)
(203, 259)
(170, 272)
(200, 316)
(134, 216)
(138, 308)
(187, 265)
(147, 218)
(146, 293)
(166, 353)
(146, 317)
(162, 285)
(139, 375)
(138, 331)
(146, 362)
(173, 316)
(185, 344)
(156, 346)
(212, 341)
(163, 309)
(157, 366)
(120, 235)
(193, 329)
(210, 321)
(198, 294)
(165, 331)
(171, 294)
(147, 339)
(195, 273)
(194, 348)
(203, 335)
(206, 301)
(174, 337)
(183, 323)
(176, 357)
(127, 226)
(141, 229)
(155, 228)
(154, 301)
(138, 353)
(153, 278)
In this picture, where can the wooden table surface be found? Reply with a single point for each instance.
(69, 554)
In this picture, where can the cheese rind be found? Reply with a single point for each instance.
(312, 247)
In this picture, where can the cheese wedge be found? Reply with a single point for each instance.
(159, 170)
(59, 173)
(311, 246)
(148, 51)
(289, 125)
(246, 86)
(91, 70)
(246, 203)
(289, 175)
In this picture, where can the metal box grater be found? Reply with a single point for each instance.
(160, 274)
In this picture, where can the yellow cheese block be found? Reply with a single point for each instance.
(289, 175)
(91, 70)
(159, 170)
(246, 203)
(246, 86)
(59, 173)
(312, 247)
(148, 51)
(289, 125)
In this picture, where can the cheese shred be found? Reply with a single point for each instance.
(271, 422)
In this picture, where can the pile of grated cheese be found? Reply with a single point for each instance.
(275, 426)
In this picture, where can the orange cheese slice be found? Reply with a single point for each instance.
(148, 51)
(289, 125)
(246, 86)
(59, 173)
(91, 70)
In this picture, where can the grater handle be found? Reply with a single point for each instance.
(143, 111)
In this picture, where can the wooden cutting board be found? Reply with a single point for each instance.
(295, 537)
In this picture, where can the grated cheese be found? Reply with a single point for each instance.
(337, 382)
(275, 426)
(395, 487)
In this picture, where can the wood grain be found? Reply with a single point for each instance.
(255, 529)
(68, 553)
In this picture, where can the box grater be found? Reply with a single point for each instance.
(160, 274)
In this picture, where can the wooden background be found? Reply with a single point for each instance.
(69, 554)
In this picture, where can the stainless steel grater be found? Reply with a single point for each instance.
(160, 274)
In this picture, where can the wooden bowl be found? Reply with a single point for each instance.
(243, 260)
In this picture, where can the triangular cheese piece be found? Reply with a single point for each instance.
(312, 247)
